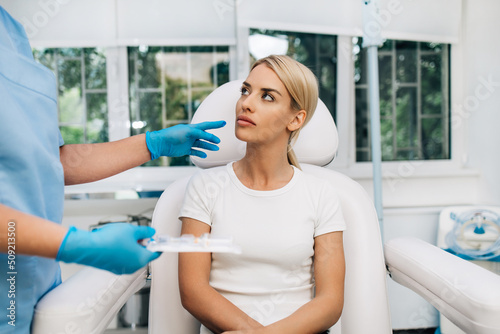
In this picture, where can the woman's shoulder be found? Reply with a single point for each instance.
(317, 184)
(210, 175)
(311, 179)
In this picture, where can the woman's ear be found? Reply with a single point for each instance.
(297, 121)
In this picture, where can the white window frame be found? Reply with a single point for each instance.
(404, 181)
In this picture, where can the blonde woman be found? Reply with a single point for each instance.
(288, 223)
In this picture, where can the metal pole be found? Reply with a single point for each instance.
(371, 41)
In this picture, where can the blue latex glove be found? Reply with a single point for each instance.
(181, 139)
(113, 247)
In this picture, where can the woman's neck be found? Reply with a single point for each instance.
(264, 168)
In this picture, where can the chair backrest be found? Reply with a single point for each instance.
(366, 307)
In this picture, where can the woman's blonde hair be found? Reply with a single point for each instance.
(302, 86)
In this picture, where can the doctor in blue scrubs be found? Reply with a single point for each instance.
(34, 167)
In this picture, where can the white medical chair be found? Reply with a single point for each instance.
(86, 303)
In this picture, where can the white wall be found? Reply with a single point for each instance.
(409, 310)
(482, 102)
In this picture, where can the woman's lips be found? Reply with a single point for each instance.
(245, 121)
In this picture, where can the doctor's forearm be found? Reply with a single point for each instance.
(84, 163)
(22, 233)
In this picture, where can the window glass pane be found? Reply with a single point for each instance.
(70, 52)
(362, 155)
(45, 57)
(71, 108)
(176, 100)
(69, 75)
(387, 46)
(175, 66)
(147, 67)
(327, 71)
(414, 100)
(149, 117)
(97, 121)
(360, 76)
(407, 154)
(202, 60)
(327, 44)
(221, 70)
(432, 147)
(385, 83)
(82, 92)
(171, 88)
(198, 97)
(386, 138)
(362, 122)
(72, 134)
(202, 49)
(317, 52)
(432, 95)
(406, 65)
(406, 120)
(435, 47)
(95, 68)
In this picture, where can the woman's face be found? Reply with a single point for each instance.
(263, 112)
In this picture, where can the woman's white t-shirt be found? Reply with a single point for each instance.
(273, 275)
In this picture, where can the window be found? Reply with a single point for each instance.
(318, 52)
(167, 84)
(414, 101)
(82, 92)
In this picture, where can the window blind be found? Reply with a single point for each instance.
(423, 20)
(57, 23)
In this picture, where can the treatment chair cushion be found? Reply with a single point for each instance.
(465, 293)
(86, 302)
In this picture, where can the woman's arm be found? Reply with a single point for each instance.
(198, 297)
(325, 309)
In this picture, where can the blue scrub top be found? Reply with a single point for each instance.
(31, 174)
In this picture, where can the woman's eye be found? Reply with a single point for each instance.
(244, 91)
(267, 97)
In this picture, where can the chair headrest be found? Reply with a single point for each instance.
(317, 142)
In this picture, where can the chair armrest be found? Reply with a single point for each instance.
(86, 302)
(463, 292)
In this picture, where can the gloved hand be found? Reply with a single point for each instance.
(181, 139)
(113, 247)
